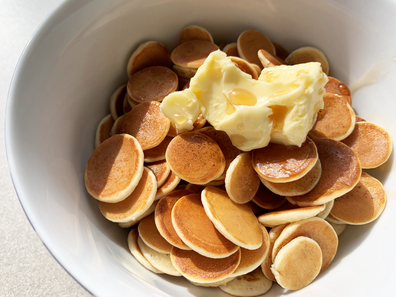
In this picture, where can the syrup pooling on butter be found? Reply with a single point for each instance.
(240, 96)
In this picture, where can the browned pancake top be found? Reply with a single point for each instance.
(149, 233)
(231, 50)
(250, 42)
(267, 199)
(192, 53)
(268, 60)
(193, 33)
(157, 153)
(245, 66)
(337, 87)
(160, 169)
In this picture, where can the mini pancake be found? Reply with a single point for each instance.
(152, 84)
(333, 220)
(280, 51)
(215, 183)
(315, 228)
(195, 158)
(297, 187)
(135, 221)
(201, 269)
(267, 60)
(135, 204)
(195, 188)
(192, 53)
(308, 54)
(159, 261)
(163, 218)
(325, 212)
(336, 120)
(278, 217)
(194, 32)
(161, 171)
(231, 49)
(199, 122)
(182, 83)
(149, 233)
(337, 87)
(250, 42)
(157, 153)
(118, 126)
(298, 263)
(148, 124)
(197, 231)
(267, 263)
(148, 54)
(371, 143)
(104, 129)
(132, 103)
(267, 199)
(279, 163)
(251, 284)
(213, 284)
(114, 169)
(137, 253)
(184, 72)
(360, 119)
(241, 180)
(168, 186)
(172, 130)
(126, 107)
(338, 228)
(251, 259)
(245, 67)
(117, 101)
(257, 210)
(363, 204)
(257, 68)
(235, 221)
(223, 140)
(340, 173)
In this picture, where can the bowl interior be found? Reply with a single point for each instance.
(78, 57)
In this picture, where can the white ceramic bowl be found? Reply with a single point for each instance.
(78, 57)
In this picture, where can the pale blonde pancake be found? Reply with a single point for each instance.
(242, 181)
(308, 54)
(148, 54)
(157, 153)
(325, 212)
(195, 157)
(148, 124)
(338, 228)
(136, 204)
(201, 269)
(184, 72)
(231, 49)
(116, 102)
(250, 42)
(137, 253)
(297, 187)
(159, 261)
(161, 171)
(298, 263)
(333, 220)
(163, 218)
(103, 130)
(267, 60)
(168, 186)
(235, 221)
(279, 163)
(192, 53)
(197, 231)
(280, 51)
(267, 199)
(363, 204)
(152, 84)
(371, 143)
(336, 120)
(314, 228)
(114, 169)
(251, 284)
(279, 217)
(194, 32)
(135, 221)
(340, 173)
(149, 233)
(118, 125)
(245, 66)
(337, 87)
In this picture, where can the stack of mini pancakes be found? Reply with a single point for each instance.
(203, 209)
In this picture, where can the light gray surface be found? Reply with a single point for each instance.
(26, 266)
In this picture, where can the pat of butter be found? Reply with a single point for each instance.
(281, 106)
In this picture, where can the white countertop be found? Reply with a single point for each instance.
(27, 268)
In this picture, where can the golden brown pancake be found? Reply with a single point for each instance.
(235, 221)
(242, 181)
(245, 67)
(136, 204)
(279, 163)
(161, 171)
(194, 32)
(267, 199)
(336, 120)
(197, 231)
(117, 101)
(184, 72)
(126, 107)
(148, 54)
(118, 126)
(132, 103)
(149, 233)
(163, 218)
(267, 60)
(280, 51)
(182, 83)
(360, 119)
(147, 124)
(168, 186)
(231, 49)
(250, 42)
(308, 54)
(157, 153)
(257, 68)
(195, 157)
(135, 221)
(195, 188)
(314, 228)
(201, 269)
(199, 122)
(192, 53)
(104, 129)
(172, 130)
(363, 204)
(335, 86)
(340, 173)
(114, 169)
(152, 84)
(371, 143)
